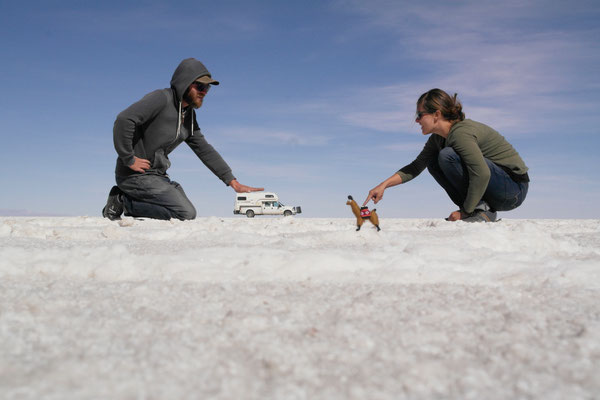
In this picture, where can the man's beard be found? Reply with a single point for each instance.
(194, 102)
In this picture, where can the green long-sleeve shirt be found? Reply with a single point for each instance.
(473, 142)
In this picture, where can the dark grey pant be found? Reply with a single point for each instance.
(502, 193)
(155, 196)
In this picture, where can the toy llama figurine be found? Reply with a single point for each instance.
(363, 213)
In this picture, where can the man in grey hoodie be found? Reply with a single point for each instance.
(146, 132)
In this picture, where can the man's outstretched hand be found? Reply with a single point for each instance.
(239, 188)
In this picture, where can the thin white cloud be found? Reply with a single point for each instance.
(272, 136)
(266, 169)
(171, 19)
(411, 147)
(506, 72)
(384, 121)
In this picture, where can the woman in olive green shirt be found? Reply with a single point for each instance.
(481, 172)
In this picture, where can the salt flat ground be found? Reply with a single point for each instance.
(299, 308)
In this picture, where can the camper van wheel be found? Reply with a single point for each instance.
(287, 213)
(250, 214)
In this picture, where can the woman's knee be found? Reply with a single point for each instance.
(452, 165)
(446, 155)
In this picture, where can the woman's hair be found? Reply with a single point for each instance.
(437, 99)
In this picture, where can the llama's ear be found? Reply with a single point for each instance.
(350, 197)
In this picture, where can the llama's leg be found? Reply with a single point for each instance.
(375, 221)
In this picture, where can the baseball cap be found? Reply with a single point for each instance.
(207, 80)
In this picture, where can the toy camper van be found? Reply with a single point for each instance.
(262, 203)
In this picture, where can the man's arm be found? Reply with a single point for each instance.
(210, 157)
(127, 126)
(213, 161)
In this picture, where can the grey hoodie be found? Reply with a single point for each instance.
(152, 127)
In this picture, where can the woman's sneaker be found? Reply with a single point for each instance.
(114, 205)
(482, 216)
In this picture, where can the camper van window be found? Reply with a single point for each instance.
(269, 196)
(241, 198)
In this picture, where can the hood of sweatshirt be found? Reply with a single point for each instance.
(187, 72)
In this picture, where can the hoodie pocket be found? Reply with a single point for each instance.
(161, 162)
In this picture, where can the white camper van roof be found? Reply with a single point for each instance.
(258, 196)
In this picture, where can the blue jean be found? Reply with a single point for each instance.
(155, 196)
(502, 193)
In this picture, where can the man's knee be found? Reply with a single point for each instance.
(186, 213)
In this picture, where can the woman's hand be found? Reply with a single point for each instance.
(457, 216)
(376, 193)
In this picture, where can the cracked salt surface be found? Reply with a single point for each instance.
(298, 308)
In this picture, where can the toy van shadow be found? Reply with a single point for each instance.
(262, 203)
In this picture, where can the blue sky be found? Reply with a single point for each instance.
(317, 98)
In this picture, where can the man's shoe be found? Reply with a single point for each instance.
(482, 216)
(114, 205)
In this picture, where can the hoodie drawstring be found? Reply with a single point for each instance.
(179, 121)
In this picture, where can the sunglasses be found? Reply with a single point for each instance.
(420, 114)
(202, 87)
